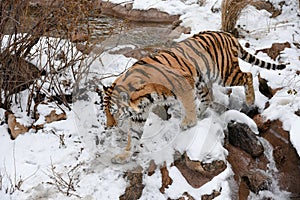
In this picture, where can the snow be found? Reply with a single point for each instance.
(60, 146)
(180, 185)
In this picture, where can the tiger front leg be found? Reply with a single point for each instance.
(133, 138)
(190, 115)
(125, 156)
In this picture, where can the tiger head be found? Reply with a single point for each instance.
(121, 104)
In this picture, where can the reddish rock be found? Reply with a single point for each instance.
(262, 124)
(241, 163)
(257, 181)
(279, 155)
(14, 127)
(286, 158)
(136, 186)
(244, 191)
(211, 196)
(197, 173)
(275, 49)
(152, 167)
(264, 87)
(166, 179)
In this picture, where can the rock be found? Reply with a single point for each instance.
(211, 196)
(264, 88)
(52, 117)
(83, 48)
(197, 173)
(241, 163)
(14, 128)
(286, 158)
(166, 179)
(152, 167)
(244, 191)
(275, 49)
(136, 186)
(185, 196)
(268, 6)
(240, 135)
(162, 112)
(257, 181)
(297, 113)
(262, 124)
(279, 155)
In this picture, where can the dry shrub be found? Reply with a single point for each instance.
(22, 28)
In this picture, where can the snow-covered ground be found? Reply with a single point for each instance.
(41, 162)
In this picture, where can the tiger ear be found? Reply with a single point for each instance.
(105, 88)
(109, 88)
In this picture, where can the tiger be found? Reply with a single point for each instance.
(179, 74)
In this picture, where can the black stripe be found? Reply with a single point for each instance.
(186, 56)
(221, 46)
(200, 54)
(119, 88)
(130, 87)
(245, 53)
(134, 69)
(178, 59)
(251, 59)
(142, 72)
(217, 59)
(236, 81)
(166, 59)
(229, 67)
(166, 77)
(206, 45)
(155, 59)
(257, 62)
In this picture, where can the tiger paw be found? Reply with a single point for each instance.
(186, 124)
(250, 100)
(122, 158)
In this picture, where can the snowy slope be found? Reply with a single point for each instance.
(37, 160)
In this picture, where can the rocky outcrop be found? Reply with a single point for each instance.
(127, 12)
(286, 158)
(251, 172)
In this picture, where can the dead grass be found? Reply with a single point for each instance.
(231, 11)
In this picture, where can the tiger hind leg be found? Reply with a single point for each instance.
(249, 90)
(245, 79)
